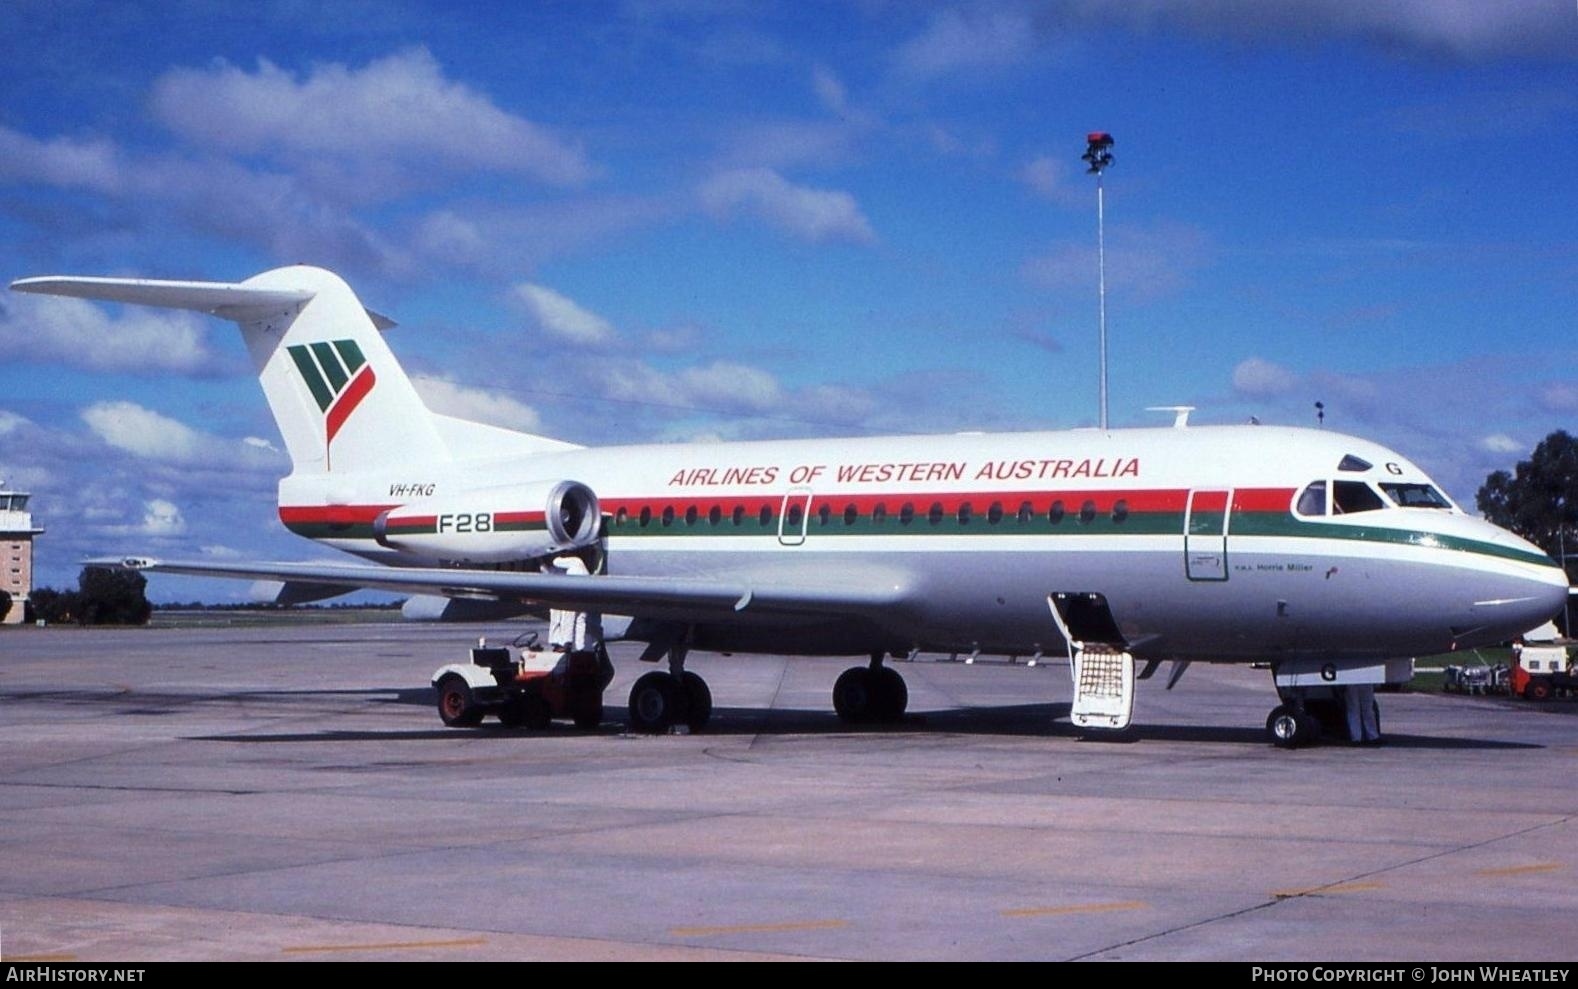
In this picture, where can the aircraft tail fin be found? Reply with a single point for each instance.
(342, 401)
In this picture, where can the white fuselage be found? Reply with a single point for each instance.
(1195, 537)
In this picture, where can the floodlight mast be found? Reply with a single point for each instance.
(1098, 155)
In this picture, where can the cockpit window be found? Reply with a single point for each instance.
(1355, 464)
(1312, 500)
(1416, 496)
(1348, 497)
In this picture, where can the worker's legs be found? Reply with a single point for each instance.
(1350, 707)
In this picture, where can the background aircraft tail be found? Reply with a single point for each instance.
(342, 401)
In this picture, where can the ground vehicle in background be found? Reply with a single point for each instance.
(1540, 668)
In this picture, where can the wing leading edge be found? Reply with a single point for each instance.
(665, 597)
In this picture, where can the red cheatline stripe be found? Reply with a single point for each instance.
(349, 399)
(427, 520)
(333, 514)
(505, 518)
(1244, 500)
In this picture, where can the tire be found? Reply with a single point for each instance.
(890, 694)
(1285, 727)
(698, 697)
(513, 713)
(457, 708)
(654, 701)
(1329, 715)
(1309, 728)
(538, 714)
(588, 714)
(853, 694)
(1538, 689)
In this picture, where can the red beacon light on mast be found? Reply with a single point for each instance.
(1098, 151)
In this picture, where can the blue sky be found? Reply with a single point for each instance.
(675, 220)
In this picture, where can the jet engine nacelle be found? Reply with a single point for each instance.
(495, 525)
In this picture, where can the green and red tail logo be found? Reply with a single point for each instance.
(338, 376)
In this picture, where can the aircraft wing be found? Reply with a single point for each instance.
(657, 597)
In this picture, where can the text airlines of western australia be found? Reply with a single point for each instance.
(907, 473)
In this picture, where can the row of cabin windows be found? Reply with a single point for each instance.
(824, 514)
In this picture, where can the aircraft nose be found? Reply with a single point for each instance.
(1527, 600)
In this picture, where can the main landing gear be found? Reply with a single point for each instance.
(663, 699)
(870, 693)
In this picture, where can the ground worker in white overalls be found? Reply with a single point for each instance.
(572, 633)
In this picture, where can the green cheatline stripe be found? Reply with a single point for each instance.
(309, 373)
(351, 354)
(331, 366)
(1137, 524)
(519, 526)
(332, 530)
(1275, 524)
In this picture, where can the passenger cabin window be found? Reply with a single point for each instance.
(880, 513)
(907, 513)
(964, 514)
(1354, 464)
(1416, 496)
(994, 514)
(850, 514)
(824, 513)
(739, 514)
(1087, 513)
(1312, 500)
(1120, 511)
(1027, 511)
(1349, 497)
(765, 516)
(1055, 513)
(715, 515)
(934, 513)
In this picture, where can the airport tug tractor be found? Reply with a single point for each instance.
(1540, 666)
(525, 692)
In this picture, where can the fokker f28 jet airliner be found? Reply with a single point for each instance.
(1325, 556)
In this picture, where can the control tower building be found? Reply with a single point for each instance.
(16, 552)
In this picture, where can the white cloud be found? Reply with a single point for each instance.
(816, 215)
(829, 90)
(10, 422)
(143, 432)
(63, 161)
(1463, 28)
(153, 436)
(445, 234)
(1559, 396)
(561, 317)
(80, 334)
(400, 106)
(1144, 262)
(1257, 377)
(984, 37)
(733, 386)
(477, 404)
(1500, 443)
(161, 518)
(1053, 179)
